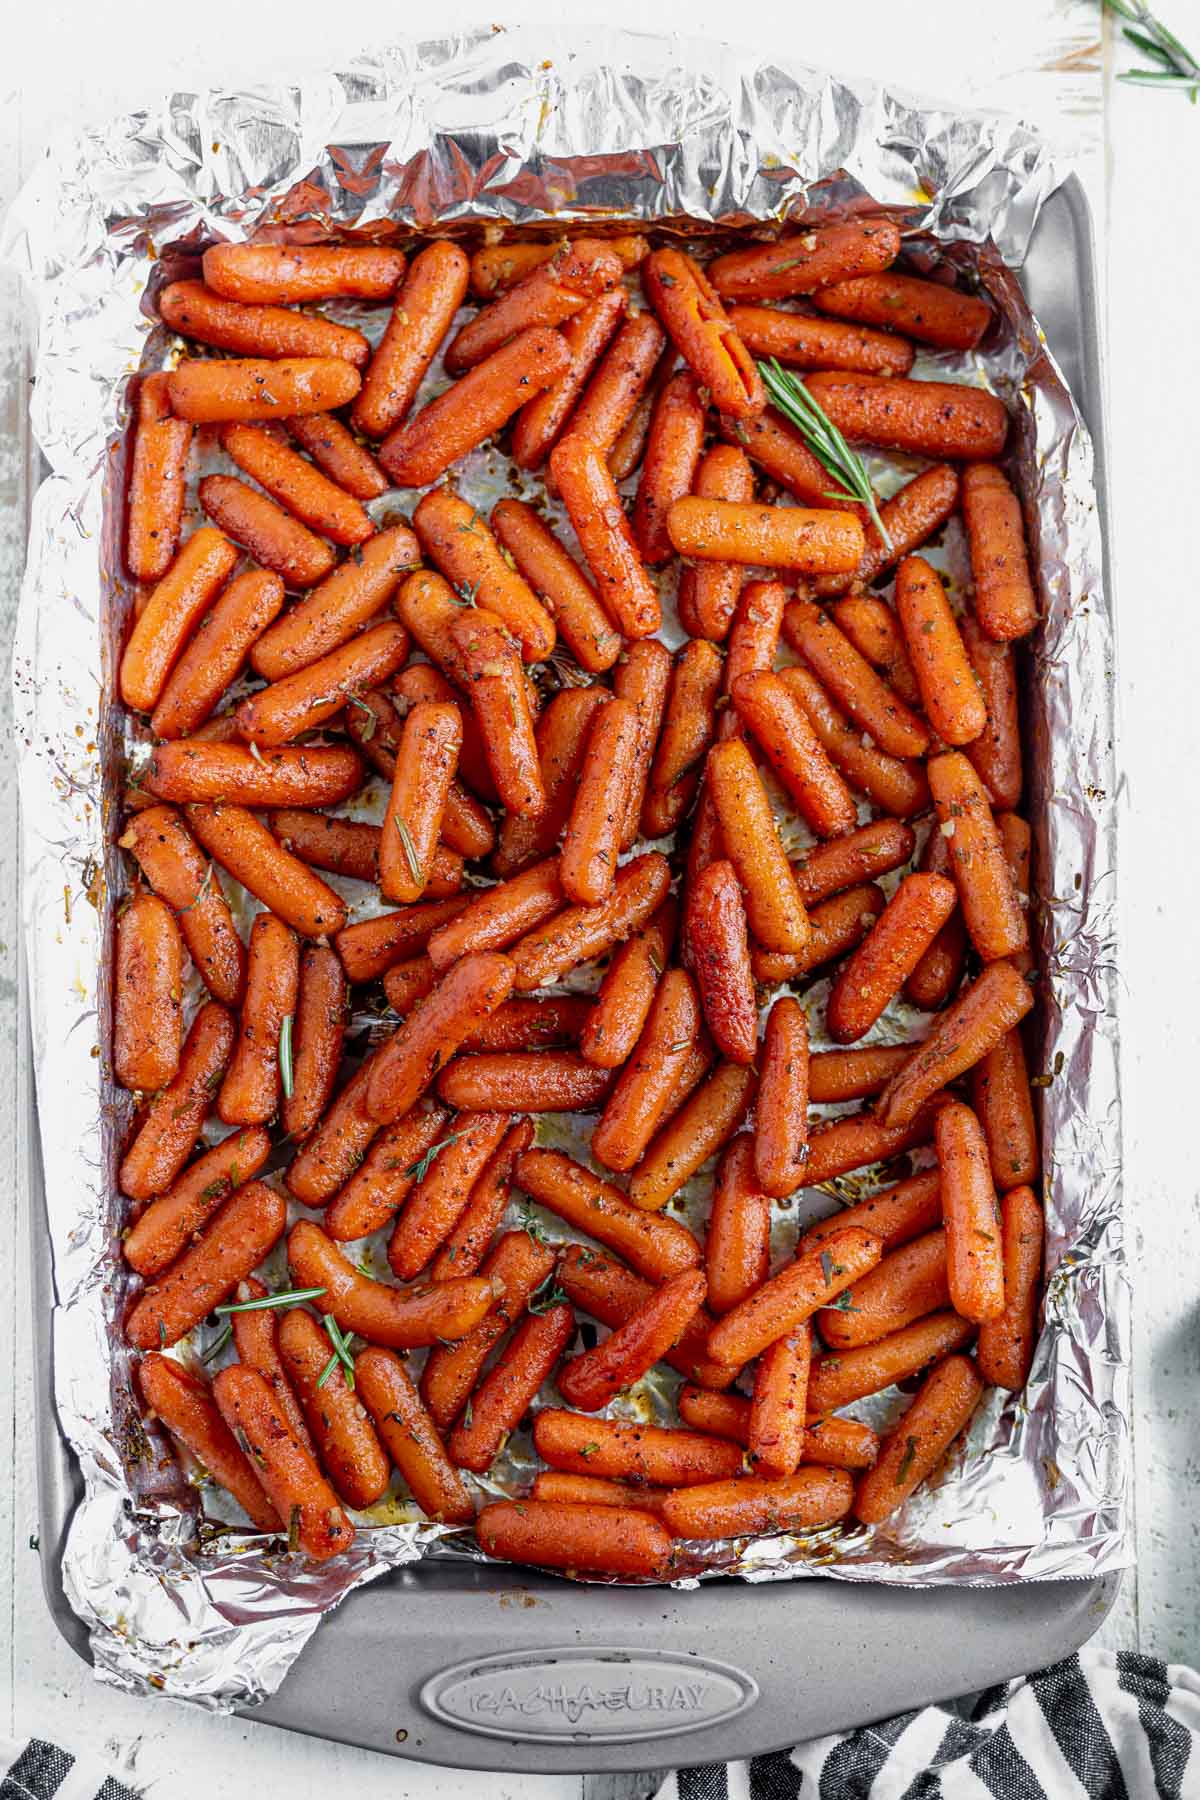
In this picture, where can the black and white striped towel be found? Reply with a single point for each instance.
(1096, 1727)
(36, 1770)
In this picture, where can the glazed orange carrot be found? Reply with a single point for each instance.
(171, 614)
(296, 484)
(566, 592)
(427, 1039)
(987, 893)
(1017, 840)
(801, 342)
(269, 534)
(751, 837)
(673, 447)
(276, 274)
(550, 294)
(806, 539)
(335, 449)
(304, 700)
(147, 995)
(705, 1122)
(910, 1283)
(1006, 1344)
(235, 1240)
(852, 681)
(433, 290)
(401, 1318)
(419, 451)
(754, 635)
(455, 537)
(186, 1406)
(860, 856)
(811, 258)
(537, 1024)
(1005, 603)
(380, 1180)
(587, 335)
(288, 1471)
(643, 677)
(588, 862)
(687, 732)
(853, 1074)
(406, 984)
(236, 838)
(699, 327)
(593, 505)
(441, 1194)
(929, 311)
(838, 925)
(945, 420)
(848, 1375)
(644, 1087)
(336, 610)
(210, 393)
(773, 712)
(529, 1081)
(627, 990)
(343, 846)
(167, 855)
(499, 915)
(895, 1215)
(779, 450)
(911, 517)
(256, 1341)
(838, 1146)
(251, 1089)
(938, 973)
(345, 1438)
(163, 1230)
(595, 1490)
(781, 1114)
(805, 1500)
(199, 312)
(422, 682)
(517, 1267)
(425, 765)
(330, 1155)
(607, 1541)
(737, 1250)
(410, 1436)
(878, 969)
(497, 267)
(794, 1295)
(872, 628)
(835, 1442)
(597, 1283)
(916, 1445)
(582, 933)
(709, 591)
(626, 1450)
(500, 701)
(656, 1248)
(974, 1253)
(214, 657)
(590, 1380)
(320, 1026)
(158, 468)
(996, 754)
(479, 1220)
(510, 1386)
(1004, 1104)
(950, 694)
(718, 952)
(371, 947)
(894, 785)
(173, 1119)
(776, 1434)
(561, 738)
(624, 374)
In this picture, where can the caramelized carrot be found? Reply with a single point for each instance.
(737, 1251)
(334, 1150)
(256, 1340)
(210, 393)
(427, 1039)
(895, 1215)
(517, 1267)
(410, 1437)
(499, 915)
(910, 1283)
(709, 591)
(673, 448)
(835, 1442)
(861, 855)
(801, 342)
(589, 1381)
(644, 1087)
(587, 335)
(939, 971)
(533, 1081)
(173, 1119)
(1005, 603)
(699, 327)
(974, 1254)
(718, 952)
(625, 1450)
(598, 1284)
(296, 484)
(235, 838)
(915, 1447)
(1004, 1105)
(187, 1408)
(1006, 1344)
(781, 1115)
(549, 294)
(706, 1121)
(167, 855)
(687, 732)
(594, 508)
(812, 258)
(379, 1182)
(643, 676)
(287, 1469)
(953, 704)
(561, 738)
(497, 267)
(565, 591)
(852, 681)
(270, 535)
(929, 311)
(805, 1500)
(794, 1295)
(372, 946)
(609, 1541)
(893, 784)
(441, 1195)
(456, 538)
(158, 469)
(754, 637)
(500, 700)
(627, 990)
(1017, 840)
(479, 1220)
(773, 712)
(751, 837)
(345, 1437)
(199, 312)
(986, 891)
(782, 454)
(147, 995)
(402, 1319)
(806, 539)
(595, 1490)
(510, 1386)
(163, 1230)
(582, 933)
(620, 381)
(910, 517)
(888, 955)
(235, 1241)
(838, 925)
(853, 1074)
(434, 288)
(425, 765)
(216, 653)
(335, 449)
(343, 846)
(776, 1434)
(406, 984)
(171, 614)
(657, 1248)
(946, 420)
(532, 1024)
(336, 610)
(251, 1089)
(588, 863)
(303, 701)
(275, 274)
(995, 754)
(847, 1375)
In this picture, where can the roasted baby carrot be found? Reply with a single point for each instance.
(303, 701)
(657, 1248)
(588, 863)
(885, 959)
(673, 447)
(442, 1192)
(288, 1471)
(622, 378)
(549, 294)
(847, 1375)
(171, 614)
(379, 1181)
(805, 1500)
(615, 1022)
(938, 973)
(425, 764)
(950, 694)
(809, 259)
(718, 952)
(838, 925)
(838, 1146)
(147, 1023)
(930, 311)
(751, 837)
(497, 267)
(895, 1215)
(699, 327)
(270, 535)
(343, 457)
(917, 1444)
(237, 839)
(1004, 1105)
(276, 274)
(296, 484)
(433, 290)
(530, 1081)
(1006, 1344)
(407, 983)
(590, 1380)
(561, 738)
(606, 1541)
(479, 1220)
(625, 1450)
(211, 393)
(914, 514)
(754, 635)
(251, 1089)
(983, 1012)
(455, 537)
(500, 701)
(835, 1442)
(737, 1249)
(320, 1026)
(910, 1283)
(595, 1490)
(860, 856)
(1005, 603)
(995, 754)
(510, 1386)
(706, 1121)
(773, 712)
(173, 1119)
(582, 478)
(873, 629)
(781, 1113)
(945, 420)
(371, 947)
(199, 312)
(421, 681)
(235, 1240)
(499, 915)
(687, 731)
(644, 1087)
(986, 891)
(853, 1074)
(343, 846)
(186, 1406)
(536, 1024)
(801, 342)
(974, 1253)
(214, 657)
(164, 1229)
(332, 614)
(158, 467)
(256, 1341)
(410, 1436)
(582, 933)
(167, 855)
(1017, 839)
(427, 1039)
(852, 681)
(643, 677)
(794, 1295)
(335, 1148)
(709, 591)
(775, 1435)
(895, 785)
(811, 541)
(346, 1441)
(518, 1266)
(782, 454)
(565, 591)
(597, 1283)
(402, 1319)
(587, 334)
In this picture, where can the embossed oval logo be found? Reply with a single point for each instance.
(599, 1694)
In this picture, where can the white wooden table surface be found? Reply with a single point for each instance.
(1053, 62)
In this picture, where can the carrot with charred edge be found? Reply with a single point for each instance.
(298, 1491)
(834, 1442)
(1006, 1344)
(911, 517)
(518, 1266)
(401, 1319)
(346, 1440)
(214, 657)
(643, 677)
(687, 731)
(566, 592)
(147, 995)
(792, 1296)
(236, 838)
(672, 454)
(499, 915)
(587, 335)
(626, 1450)
(644, 1087)
(839, 1146)
(172, 1122)
(895, 1215)
(929, 311)
(913, 1449)
(371, 947)
(198, 312)
(410, 1437)
(813, 258)
(800, 342)
(256, 1341)
(163, 1230)
(811, 541)
(847, 1375)
(343, 846)
(443, 1191)
(420, 451)
(852, 681)
(500, 701)
(211, 393)
(888, 955)
(278, 274)
(582, 933)
(986, 891)
(194, 770)
(335, 449)
(242, 1231)
(620, 381)
(910, 1283)
(656, 1248)
(894, 785)
(251, 1089)
(945, 420)
(1005, 603)
(871, 626)
(434, 288)
(949, 692)
(530, 1081)
(599, 1284)
(974, 1254)
(554, 292)
(737, 1249)
(479, 1220)
(334, 1150)
(498, 267)
(751, 837)
(805, 1500)
(838, 925)
(719, 957)
(377, 1187)
(561, 739)
(335, 611)
(455, 536)
(776, 1434)
(407, 983)
(608, 1541)
(705, 1122)
(186, 1407)
(158, 469)
(709, 591)
(853, 1074)
(171, 614)
(304, 700)
(425, 765)
(166, 853)
(1017, 841)
(700, 328)
(594, 508)
(296, 484)
(781, 1114)
(595, 1490)
(589, 1381)
(265, 531)
(509, 1388)
(861, 855)
(782, 454)
(428, 1038)
(1004, 1104)
(537, 1024)
(995, 754)
(772, 711)
(627, 990)
(588, 862)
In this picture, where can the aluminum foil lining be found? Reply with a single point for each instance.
(516, 129)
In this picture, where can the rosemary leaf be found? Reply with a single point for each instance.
(790, 397)
(285, 1056)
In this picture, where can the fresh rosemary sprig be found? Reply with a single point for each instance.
(341, 1353)
(1177, 66)
(790, 397)
(291, 1297)
(285, 1056)
(419, 1170)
